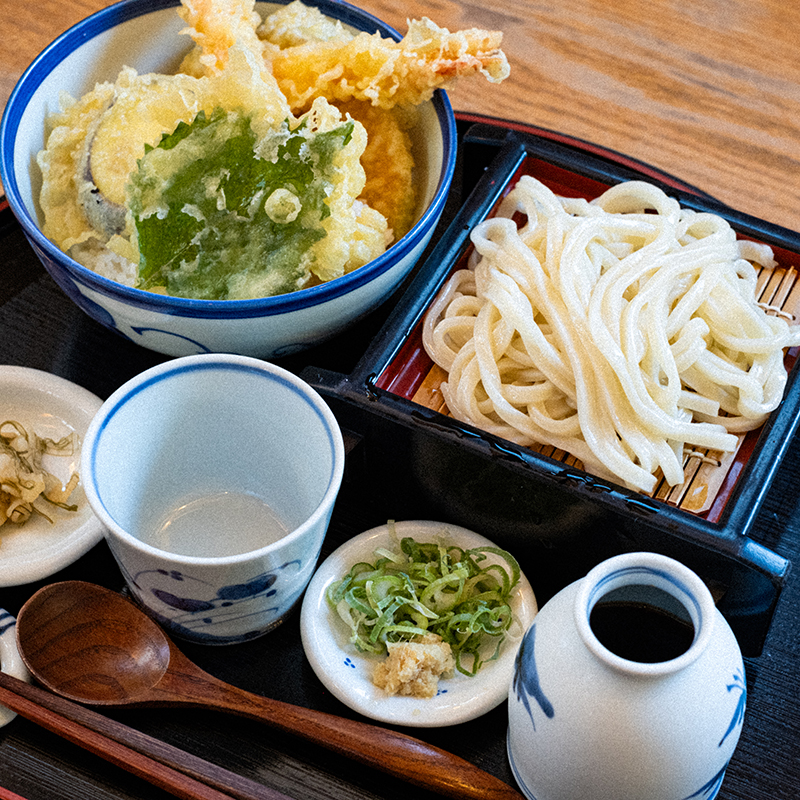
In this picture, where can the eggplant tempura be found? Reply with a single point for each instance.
(277, 157)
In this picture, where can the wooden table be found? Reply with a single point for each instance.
(709, 92)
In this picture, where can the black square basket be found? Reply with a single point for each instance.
(558, 519)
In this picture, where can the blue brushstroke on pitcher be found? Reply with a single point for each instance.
(738, 715)
(526, 678)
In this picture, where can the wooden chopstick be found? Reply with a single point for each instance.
(7, 794)
(178, 772)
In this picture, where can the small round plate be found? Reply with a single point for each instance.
(51, 407)
(347, 674)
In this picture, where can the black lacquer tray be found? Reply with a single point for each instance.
(42, 329)
(556, 517)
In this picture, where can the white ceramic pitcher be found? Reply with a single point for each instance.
(646, 704)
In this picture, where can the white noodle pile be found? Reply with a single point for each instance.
(616, 335)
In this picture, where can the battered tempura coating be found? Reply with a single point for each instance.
(387, 161)
(296, 24)
(97, 142)
(313, 57)
(383, 72)
(378, 81)
(215, 28)
(296, 74)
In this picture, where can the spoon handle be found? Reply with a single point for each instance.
(398, 754)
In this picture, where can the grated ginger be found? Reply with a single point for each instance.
(413, 668)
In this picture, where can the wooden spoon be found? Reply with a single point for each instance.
(92, 645)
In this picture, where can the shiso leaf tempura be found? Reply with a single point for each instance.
(257, 223)
(430, 587)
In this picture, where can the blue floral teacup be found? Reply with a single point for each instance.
(215, 477)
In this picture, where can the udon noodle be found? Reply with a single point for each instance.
(620, 330)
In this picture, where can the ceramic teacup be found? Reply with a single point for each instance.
(215, 477)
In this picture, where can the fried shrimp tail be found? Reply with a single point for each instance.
(215, 28)
(376, 81)
(383, 72)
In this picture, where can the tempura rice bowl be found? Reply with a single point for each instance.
(144, 34)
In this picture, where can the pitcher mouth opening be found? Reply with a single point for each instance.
(644, 613)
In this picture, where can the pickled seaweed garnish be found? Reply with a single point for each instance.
(26, 487)
(217, 209)
(430, 588)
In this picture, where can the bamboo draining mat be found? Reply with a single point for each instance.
(705, 471)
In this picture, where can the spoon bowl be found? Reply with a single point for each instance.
(92, 645)
(86, 648)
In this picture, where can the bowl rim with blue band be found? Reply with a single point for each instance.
(135, 313)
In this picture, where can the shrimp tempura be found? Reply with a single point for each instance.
(311, 56)
(384, 72)
(375, 80)
(215, 28)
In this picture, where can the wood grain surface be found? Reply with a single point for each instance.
(708, 90)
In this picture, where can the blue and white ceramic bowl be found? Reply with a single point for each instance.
(144, 34)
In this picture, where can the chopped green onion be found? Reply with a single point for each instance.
(430, 588)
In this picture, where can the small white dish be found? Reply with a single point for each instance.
(53, 407)
(347, 674)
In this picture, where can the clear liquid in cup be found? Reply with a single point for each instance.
(216, 525)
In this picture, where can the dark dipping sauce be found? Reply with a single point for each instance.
(640, 632)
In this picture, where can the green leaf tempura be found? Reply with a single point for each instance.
(223, 215)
